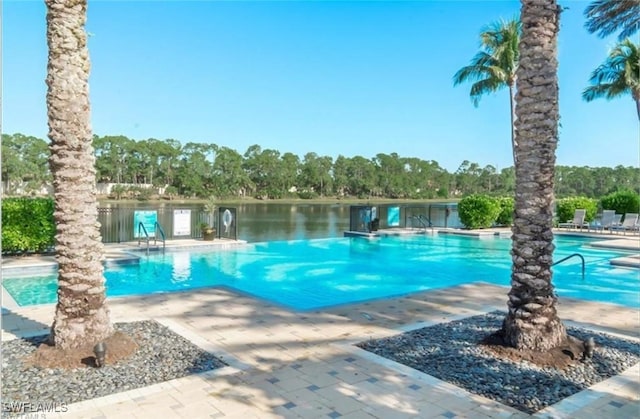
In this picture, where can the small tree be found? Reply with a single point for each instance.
(478, 211)
(171, 192)
(27, 224)
(210, 209)
(505, 218)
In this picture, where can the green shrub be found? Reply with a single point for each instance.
(505, 218)
(622, 202)
(478, 211)
(566, 207)
(307, 195)
(27, 224)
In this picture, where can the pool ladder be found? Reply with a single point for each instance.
(423, 220)
(142, 229)
(569, 257)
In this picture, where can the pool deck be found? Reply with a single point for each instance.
(294, 364)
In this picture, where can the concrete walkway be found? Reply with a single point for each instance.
(302, 364)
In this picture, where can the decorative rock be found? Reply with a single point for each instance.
(450, 352)
(178, 358)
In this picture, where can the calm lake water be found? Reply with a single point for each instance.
(270, 222)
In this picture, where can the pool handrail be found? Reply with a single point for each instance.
(421, 219)
(569, 257)
(155, 237)
(158, 227)
(142, 228)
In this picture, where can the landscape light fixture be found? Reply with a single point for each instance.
(589, 346)
(100, 350)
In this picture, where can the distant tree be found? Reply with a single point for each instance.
(290, 171)
(194, 176)
(113, 158)
(171, 192)
(315, 173)
(24, 163)
(494, 67)
(506, 181)
(341, 176)
(605, 17)
(264, 170)
(199, 170)
(619, 75)
(361, 175)
(468, 178)
(229, 178)
(392, 178)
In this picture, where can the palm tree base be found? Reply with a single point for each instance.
(119, 346)
(568, 352)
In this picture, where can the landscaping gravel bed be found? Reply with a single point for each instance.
(450, 352)
(162, 355)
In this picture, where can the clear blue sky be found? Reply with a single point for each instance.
(330, 77)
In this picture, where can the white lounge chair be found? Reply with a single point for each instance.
(607, 220)
(578, 220)
(630, 223)
(617, 220)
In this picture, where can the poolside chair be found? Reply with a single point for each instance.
(630, 223)
(617, 220)
(578, 220)
(607, 220)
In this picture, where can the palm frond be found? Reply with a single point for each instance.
(605, 17)
(474, 71)
(606, 90)
(482, 87)
(494, 66)
(618, 75)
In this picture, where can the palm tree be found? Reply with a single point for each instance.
(494, 67)
(605, 17)
(81, 317)
(532, 322)
(619, 75)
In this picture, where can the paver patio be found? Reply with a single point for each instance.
(290, 364)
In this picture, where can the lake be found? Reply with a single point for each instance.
(256, 222)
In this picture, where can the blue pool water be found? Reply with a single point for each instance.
(318, 273)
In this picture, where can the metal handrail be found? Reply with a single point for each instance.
(421, 220)
(159, 228)
(141, 227)
(569, 257)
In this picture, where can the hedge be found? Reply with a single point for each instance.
(566, 207)
(507, 206)
(622, 202)
(478, 211)
(27, 225)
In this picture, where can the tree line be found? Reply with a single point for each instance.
(197, 170)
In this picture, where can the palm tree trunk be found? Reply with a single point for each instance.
(512, 109)
(532, 322)
(81, 316)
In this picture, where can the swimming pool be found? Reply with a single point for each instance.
(310, 274)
